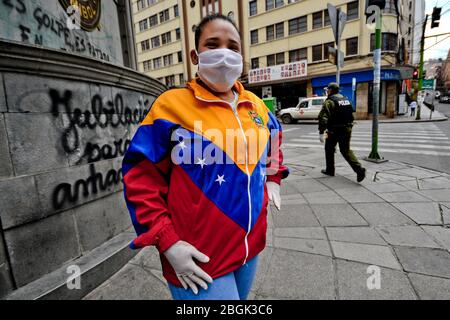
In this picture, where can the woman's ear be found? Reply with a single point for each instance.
(194, 57)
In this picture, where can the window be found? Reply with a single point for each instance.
(164, 16)
(326, 49)
(153, 20)
(255, 63)
(292, 1)
(388, 42)
(253, 7)
(254, 36)
(143, 25)
(166, 38)
(298, 25)
(168, 60)
(317, 20)
(176, 11)
(280, 58)
(326, 20)
(178, 33)
(317, 53)
(155, 42)
(181, 78)
(141, 4)
(180, 56)
(352, 10)
(145, 45)
(270, 33)
(270, 5)
(279, 30)
(147, 65)
(351, 46)
(279, 3)
(270, 60)
(390, 6)
(210, 6)
(318, 102)
(151, 2)
(297, 55)
(170, 81)
(157, 63)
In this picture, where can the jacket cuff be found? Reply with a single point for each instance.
(276, 179)
(167, 237)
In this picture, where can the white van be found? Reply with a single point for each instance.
(307, 109)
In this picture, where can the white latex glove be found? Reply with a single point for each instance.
(181, 257)
(273, 190)
(322, 138)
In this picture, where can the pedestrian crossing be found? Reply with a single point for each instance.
(428, 141)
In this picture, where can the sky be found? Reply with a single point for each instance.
(439, 50)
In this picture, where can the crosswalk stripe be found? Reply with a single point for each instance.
(400, 145)
(404, 151)
(384, 139)
(424, 137)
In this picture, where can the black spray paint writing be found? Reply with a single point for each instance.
(83, 188)
(114, 114)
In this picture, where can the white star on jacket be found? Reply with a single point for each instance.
(201, 162)
(221, 179)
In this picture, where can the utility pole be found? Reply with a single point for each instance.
(421, 75)
(338, 43)
(374, 156)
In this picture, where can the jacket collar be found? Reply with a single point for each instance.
(203, 94)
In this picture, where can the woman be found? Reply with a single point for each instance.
(195, 174)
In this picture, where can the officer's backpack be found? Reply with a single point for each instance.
(343, 111)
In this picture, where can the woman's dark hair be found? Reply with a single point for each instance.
(209, 18)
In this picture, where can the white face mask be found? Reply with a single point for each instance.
(220, 68)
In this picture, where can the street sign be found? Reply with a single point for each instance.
(332, 57)
(428, 84)
(338, 20)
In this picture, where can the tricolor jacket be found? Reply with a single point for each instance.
(196, 171)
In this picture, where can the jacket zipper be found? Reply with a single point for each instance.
(246, 169)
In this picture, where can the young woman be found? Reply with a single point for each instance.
(200, 171)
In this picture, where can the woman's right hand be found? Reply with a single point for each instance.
(181, 257)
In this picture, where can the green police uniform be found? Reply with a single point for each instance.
(337, 118)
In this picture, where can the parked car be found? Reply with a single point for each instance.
(437, 95)
(444, 99)
(307, 109)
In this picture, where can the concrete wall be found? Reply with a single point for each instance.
(43, 22)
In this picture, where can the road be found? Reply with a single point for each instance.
(425, 144)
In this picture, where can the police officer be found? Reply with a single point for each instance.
(336, 117)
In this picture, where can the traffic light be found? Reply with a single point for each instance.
(416, 74)
(435, 17)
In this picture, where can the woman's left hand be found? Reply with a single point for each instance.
(273, 191)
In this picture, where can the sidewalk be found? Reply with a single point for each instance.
(331, 230)
(424, 117)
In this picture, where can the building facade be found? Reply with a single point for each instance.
(285, 47)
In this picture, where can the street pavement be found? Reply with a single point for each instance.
(386, 238)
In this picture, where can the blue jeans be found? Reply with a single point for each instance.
(233, 286)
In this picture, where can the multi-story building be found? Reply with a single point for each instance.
(285, 47)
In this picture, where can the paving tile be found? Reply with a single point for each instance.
(434, 183)
(338, 215)
(439, 234)
(410, 236)
(264, 259)
(406, 196)
(385, 187)
(433, 262)
(304, 245)
(132, 283)
(436, 195)
(301, 233)
(309, 185)
(358, 195)
(416, 173)
(365, 235)
(338, 182)
(421, 213)
(323, 197)
(366, 253)
(445, 206)
(379, 214)
(430, 288)
(297, 275)
(353, 281)
(295, 216)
